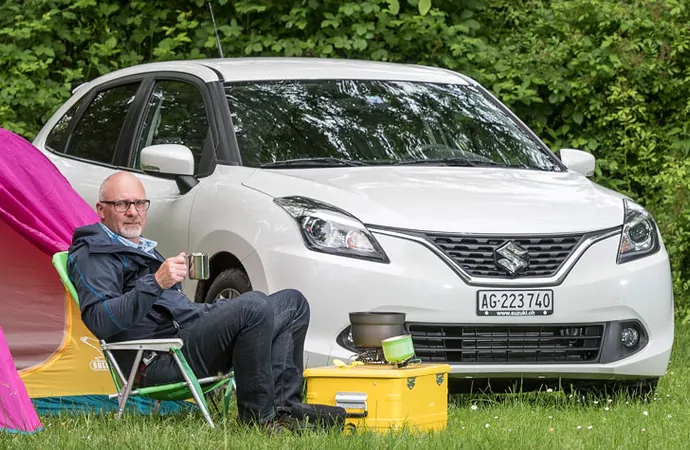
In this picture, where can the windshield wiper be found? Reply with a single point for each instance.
(453, 161)
(313, 162)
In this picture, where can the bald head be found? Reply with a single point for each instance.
(117, 205)
(118, 182)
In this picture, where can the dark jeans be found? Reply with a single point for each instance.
(261, 337)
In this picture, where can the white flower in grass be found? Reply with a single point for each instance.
(606, 409)
(510, 430)
(579, 427)
(550, 417)
(473, 407)
(596, 402)
(645, 413)
(590, 427)
(549, 390)
(487, 425)
(644, 430)
(669, 416)
(495, 417)
(668, 395)
(610, 400)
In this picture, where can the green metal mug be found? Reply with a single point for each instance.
(198, 266)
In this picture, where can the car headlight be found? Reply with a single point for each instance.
(639, 237)
(328, 229)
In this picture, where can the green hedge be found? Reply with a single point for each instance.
(607, 76)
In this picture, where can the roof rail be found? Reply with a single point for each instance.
(74, 91)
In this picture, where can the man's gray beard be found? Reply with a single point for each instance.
(131, 234)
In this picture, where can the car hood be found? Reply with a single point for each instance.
(453, 199)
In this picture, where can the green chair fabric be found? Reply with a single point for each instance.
(60, 264)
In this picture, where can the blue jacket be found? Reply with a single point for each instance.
(119, 297)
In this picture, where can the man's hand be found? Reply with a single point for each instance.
(172, 271)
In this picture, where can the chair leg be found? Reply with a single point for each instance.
(209, 398)
(128, 387)
(194, 387)
(227, 397)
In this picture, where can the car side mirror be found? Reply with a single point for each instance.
(169, 159)
(577, 161)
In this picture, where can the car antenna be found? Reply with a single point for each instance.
(213, 18)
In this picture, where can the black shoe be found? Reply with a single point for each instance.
(321, 416)
(281, 423)
(284, 421)
(276, 426)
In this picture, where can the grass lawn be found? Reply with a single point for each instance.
(551, 420)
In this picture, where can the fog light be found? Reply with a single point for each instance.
(344, 339)
(630, 337)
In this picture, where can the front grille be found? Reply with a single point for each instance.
(489, 344)
(475, 254)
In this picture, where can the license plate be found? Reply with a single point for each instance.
(515, 302)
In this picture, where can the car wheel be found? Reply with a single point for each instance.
(230, 283)
(634, 389)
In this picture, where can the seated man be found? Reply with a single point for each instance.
(127, 291)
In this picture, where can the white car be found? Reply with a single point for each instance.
(384, 187)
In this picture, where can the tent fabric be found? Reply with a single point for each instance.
(58, 358)
(100, 404)
(17, 414)
(36, 200)
(32, 312)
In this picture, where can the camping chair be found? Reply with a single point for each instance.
(191, 387)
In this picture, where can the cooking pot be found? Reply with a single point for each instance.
(370, 328)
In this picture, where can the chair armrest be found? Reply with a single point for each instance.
(161, 345)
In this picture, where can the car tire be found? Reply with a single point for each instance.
(230, 283)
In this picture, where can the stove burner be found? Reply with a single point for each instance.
(372, 355)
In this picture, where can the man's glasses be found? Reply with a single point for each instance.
(123, 205)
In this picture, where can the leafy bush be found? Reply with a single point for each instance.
(606, 76)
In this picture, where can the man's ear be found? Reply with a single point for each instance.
(99, 210)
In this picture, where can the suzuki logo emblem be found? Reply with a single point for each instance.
(511, 257)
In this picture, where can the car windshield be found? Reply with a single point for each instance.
(345, 123)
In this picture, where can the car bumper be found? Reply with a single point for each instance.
(418, 283)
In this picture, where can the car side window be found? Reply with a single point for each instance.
(96, 135)
(175, 114)
(57, 138)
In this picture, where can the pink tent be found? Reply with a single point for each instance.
(39, 211)
(17, 414)
(59, 360)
